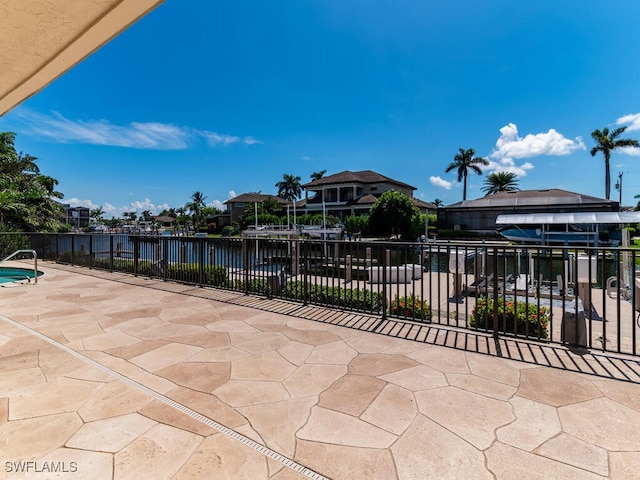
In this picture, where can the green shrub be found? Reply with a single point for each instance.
(410, 306)
(10, 241)
(355, 299)
(522, 318)
(255, 285)
(229, 231)
(215, 276)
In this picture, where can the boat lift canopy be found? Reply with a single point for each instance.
(576, 218)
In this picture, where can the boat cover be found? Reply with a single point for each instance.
(576, 218)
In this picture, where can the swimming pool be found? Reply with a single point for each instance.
(12, 274)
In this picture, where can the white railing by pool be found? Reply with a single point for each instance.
(35, 261)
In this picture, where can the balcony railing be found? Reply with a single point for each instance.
(582, 297)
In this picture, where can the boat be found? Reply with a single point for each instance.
(320, 232)
(570, 228)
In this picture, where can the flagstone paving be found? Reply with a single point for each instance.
(144, 382)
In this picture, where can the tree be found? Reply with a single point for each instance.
(463, 162)
(437, 202)
(97, 214)
(357, 224)
(270, 206)
(500, 182)
(131, 216)
(196, 206)
(317, 175)
(146, 216)
(289, 187)
(607, 142)
(392, 214)
(28, 198)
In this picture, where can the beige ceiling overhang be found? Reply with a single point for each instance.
(42, 39)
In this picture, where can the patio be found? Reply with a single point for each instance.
(113, 376)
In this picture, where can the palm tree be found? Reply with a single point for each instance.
(463, 162)
(437, 202)
(132, 216)
(195, 206)
(317, 175)
(607, 142)
(289, 188)
(500, 182)
(97, 214)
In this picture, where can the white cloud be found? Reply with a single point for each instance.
(250, 140)
(140, 135)
(232, 194)
(217, 204)
(632, 121)
(630, 151)
(76, 202)
(214, 138)
(511, 145)
(439, 182)
(508, 165)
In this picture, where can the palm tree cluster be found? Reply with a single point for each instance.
(27, 198)
(465, 162)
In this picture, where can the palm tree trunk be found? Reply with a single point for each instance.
(464, 188)
(607, 177)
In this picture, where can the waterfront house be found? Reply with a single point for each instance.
(352, 193)
(237, 205)
(480, 214)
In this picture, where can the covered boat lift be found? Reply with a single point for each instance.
(584, 228)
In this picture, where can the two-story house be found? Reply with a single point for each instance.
(77, 217)
(352, 193)
(237, 205)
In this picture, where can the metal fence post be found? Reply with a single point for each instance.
(386, 267)
(110, 253)
(245, 264)
(305, 260)
(495, 294)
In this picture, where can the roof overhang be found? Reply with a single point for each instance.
(42, 40)
(576, 218)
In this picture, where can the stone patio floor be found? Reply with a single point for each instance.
(106, 376)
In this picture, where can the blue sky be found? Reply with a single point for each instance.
(226, 97)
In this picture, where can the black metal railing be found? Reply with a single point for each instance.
(584, 296)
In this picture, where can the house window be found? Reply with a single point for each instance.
(346, 195)
(240, 204)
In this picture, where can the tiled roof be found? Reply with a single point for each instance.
(422, 204)
(368, 199)
(527, 198)
(256, 198)
(364, 176)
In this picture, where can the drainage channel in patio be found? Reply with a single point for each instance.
(269, 453)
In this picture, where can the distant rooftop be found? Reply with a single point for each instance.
(364, 176)
(256, 198)
(526, 198)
